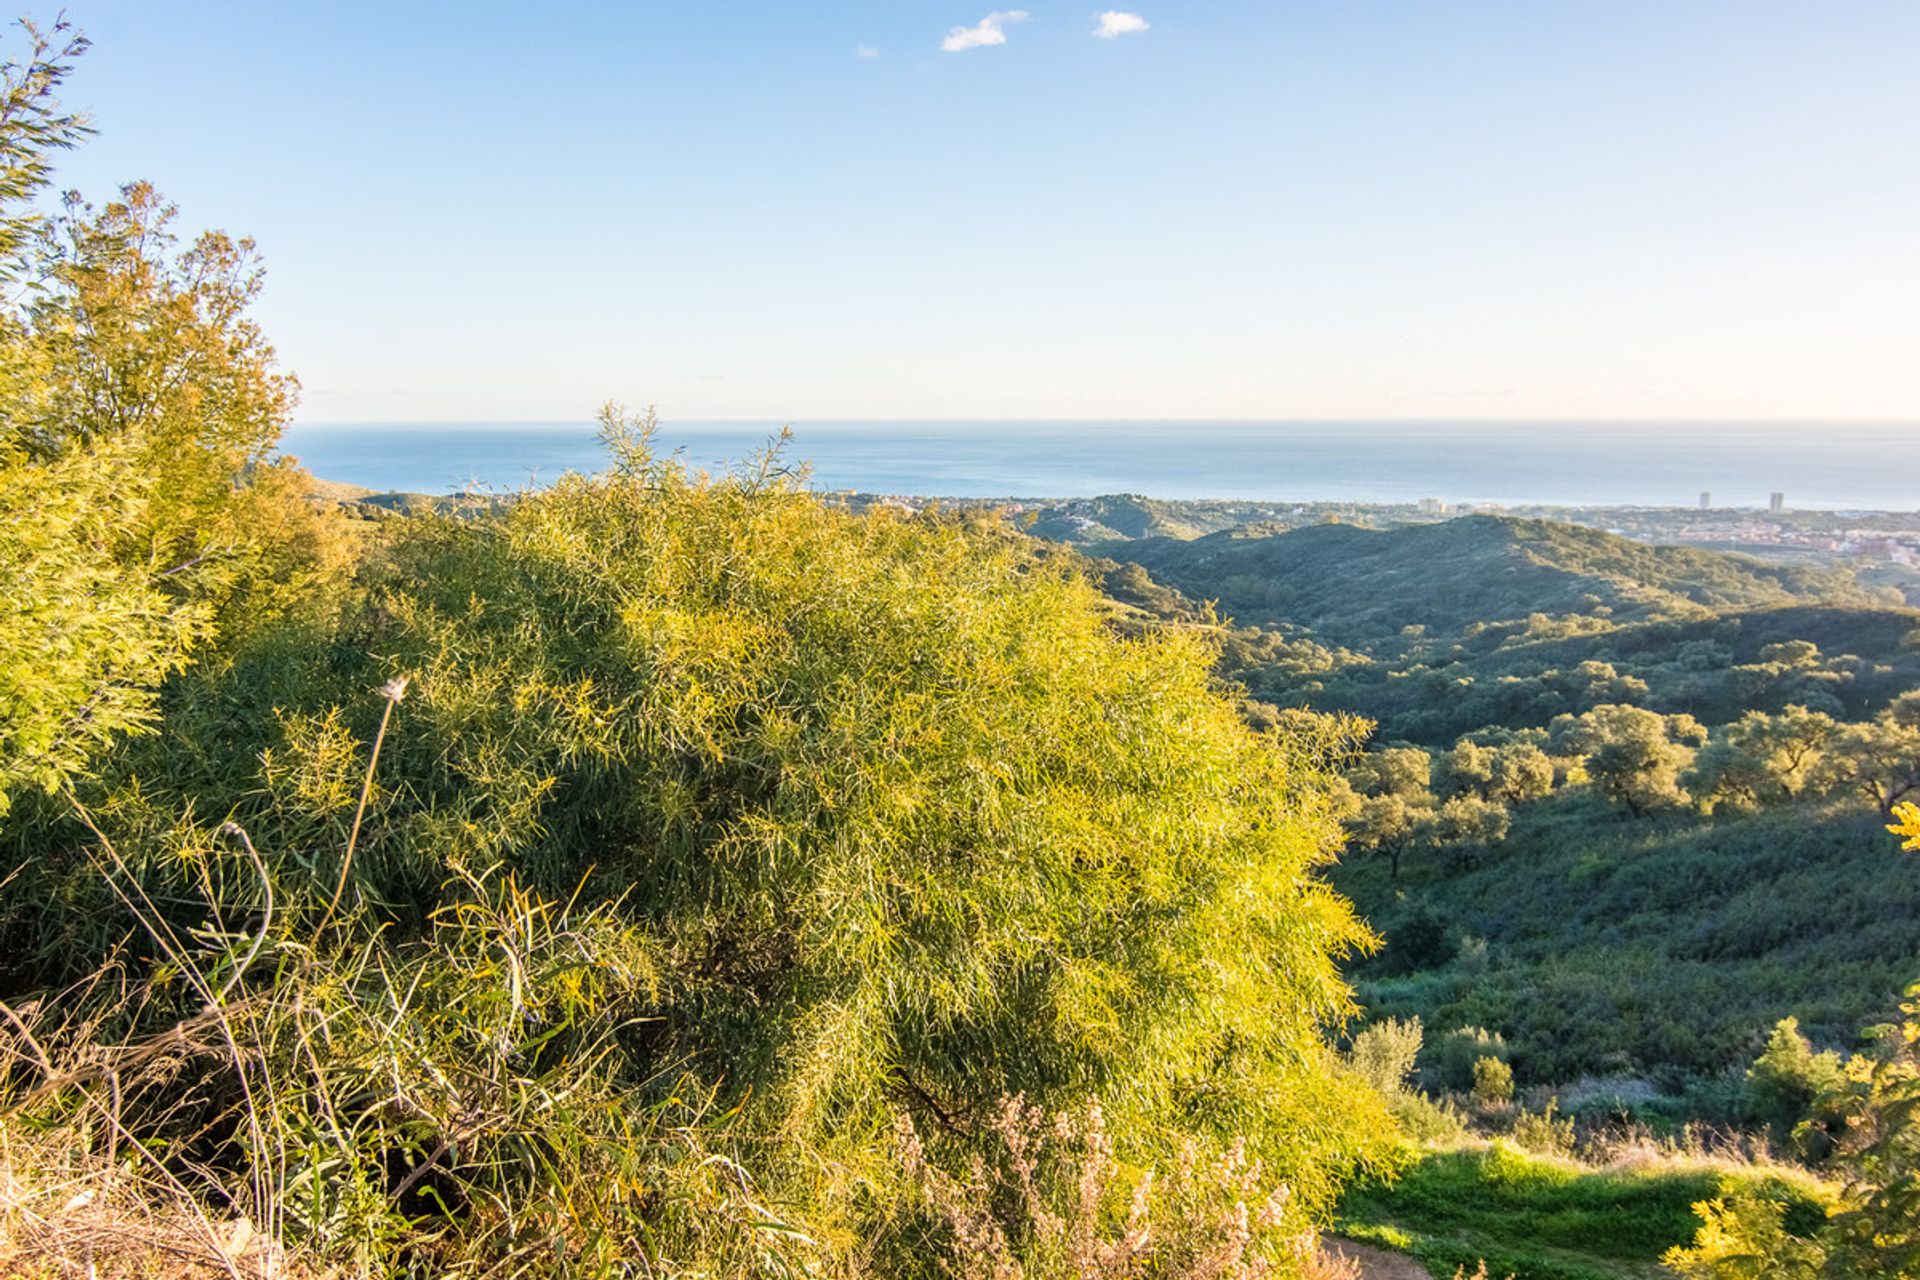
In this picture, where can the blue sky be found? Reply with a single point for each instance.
(1680, 208)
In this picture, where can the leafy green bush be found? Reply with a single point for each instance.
(1492, 1082)
(1452, 1060)
(709, 790)
(1786, 1080)
(1384, 1053)
(1873, 1228)
(1544, 1132)
(85, 640)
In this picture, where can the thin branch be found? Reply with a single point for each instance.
(394, 690)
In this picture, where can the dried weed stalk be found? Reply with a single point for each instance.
(1052, 1200)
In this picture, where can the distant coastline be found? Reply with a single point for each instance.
(1833, 467)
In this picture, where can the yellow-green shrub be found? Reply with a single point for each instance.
(895, 821)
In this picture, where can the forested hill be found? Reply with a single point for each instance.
(1622, 808)
(1348, 583)
(1083, 521)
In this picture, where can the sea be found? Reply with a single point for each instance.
(1816, 466)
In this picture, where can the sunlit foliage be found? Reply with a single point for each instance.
(1907, 825)
(138, 403)
(86, 631)
(853, 816)
(1874, 1230)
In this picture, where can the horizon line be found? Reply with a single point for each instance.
(1135, 421)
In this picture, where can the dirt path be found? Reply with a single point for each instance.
(1377, 1264)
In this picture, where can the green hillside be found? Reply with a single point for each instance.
(1435, 631)
(1648, 926)
(1715, 666)
(1660, 950)
(1348, 583)
(1127, 516)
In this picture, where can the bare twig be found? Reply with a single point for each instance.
(393, 690)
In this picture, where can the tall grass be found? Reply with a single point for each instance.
(452, 1104)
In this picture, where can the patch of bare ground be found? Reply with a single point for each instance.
(1376, 1264)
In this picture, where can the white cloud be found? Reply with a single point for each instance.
(989, 30)
(1114, 24)
(866, 51)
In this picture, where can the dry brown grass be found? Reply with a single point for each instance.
(67, 1214)
(1045, 1205)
